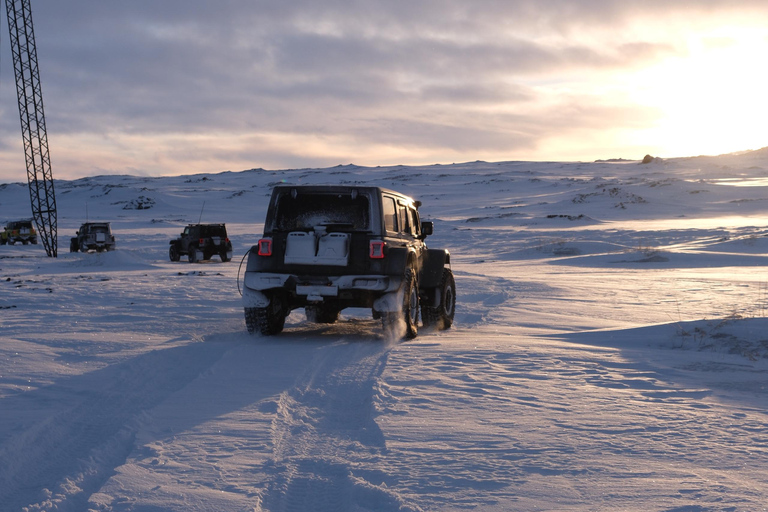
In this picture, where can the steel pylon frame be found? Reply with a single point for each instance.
(32, 117)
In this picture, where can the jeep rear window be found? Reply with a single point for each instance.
(210, 231)
(339, 211)
(98, 228)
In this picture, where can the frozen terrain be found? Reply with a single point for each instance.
(610, 351)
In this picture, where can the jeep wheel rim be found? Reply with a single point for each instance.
(449, 301)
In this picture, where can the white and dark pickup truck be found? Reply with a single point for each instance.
(93, 236)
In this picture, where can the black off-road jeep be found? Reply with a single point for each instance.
(326, 248)
(93, 236)
(200, 242)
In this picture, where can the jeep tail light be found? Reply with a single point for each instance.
(377, 249)
(201, 241)
(265, 247)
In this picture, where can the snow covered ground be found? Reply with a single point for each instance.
(610, 351)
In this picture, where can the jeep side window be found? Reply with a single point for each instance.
(390, 215)
(405, 223)
(415, 224)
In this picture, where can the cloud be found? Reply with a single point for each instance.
(466, 78)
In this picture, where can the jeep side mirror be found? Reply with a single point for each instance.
(427, 227)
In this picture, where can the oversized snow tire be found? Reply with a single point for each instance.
(441, 316)
(173, 253)
(409, 315)
(192, 254)
(224, 257)
(73, 245)
(266, 321)
(321, 314)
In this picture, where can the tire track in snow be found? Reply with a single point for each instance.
(325, 429)
(60, 459)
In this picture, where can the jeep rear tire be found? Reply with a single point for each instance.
(441, 315)
(266, 321)
(409, 315)
(224, 257)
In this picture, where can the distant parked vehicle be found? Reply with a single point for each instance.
(93, 236)
(19, 231)
(201, 242)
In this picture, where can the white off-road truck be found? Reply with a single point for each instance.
(93, 236)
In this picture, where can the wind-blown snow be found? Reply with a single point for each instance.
(610, 351)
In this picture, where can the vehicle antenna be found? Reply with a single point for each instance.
(201, 213)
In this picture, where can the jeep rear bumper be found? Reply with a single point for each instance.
(325, 286)
(318, 289)
(99, 245)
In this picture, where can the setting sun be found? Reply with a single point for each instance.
(710, 100)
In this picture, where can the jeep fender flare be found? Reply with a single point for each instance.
(397, 260)
(435, 260)
(254, 298)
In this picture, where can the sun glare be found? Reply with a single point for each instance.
(710, 101)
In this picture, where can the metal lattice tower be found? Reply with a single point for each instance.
(32, 121)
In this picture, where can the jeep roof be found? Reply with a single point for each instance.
(303, 207)
(95, 225)
(24, 223)
(207, 230)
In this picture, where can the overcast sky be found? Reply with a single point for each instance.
(181, 86)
